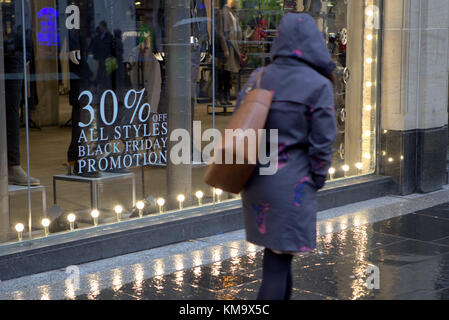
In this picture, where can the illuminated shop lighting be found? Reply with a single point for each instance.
(19, 228)
(140, 205)
(367, 156)
(118, 211)
(390, 160)
(46, 224)
(369, 84)
(369, 37)
(95, 214)
(218, 193)
(161, 203)
(71, 218)
(181, 198)
(331, 173)
(345, 168)
(367, 134)
(369, 60)
(199, 195)
(359, 165)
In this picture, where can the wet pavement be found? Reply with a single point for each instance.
(411, 252)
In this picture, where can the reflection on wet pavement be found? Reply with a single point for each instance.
(411, 253)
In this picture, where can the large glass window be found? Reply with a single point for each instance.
(94, 90)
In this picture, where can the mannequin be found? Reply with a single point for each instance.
(78, 52)
(14, 87)
(228, 35)
(145, 70)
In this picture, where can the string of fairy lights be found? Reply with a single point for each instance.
(119, 210)
(367, 149)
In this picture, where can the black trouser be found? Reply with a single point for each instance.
(13, 97)
(223, 82)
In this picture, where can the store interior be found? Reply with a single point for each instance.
(63, 64)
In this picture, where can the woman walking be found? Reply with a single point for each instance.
(280, 211)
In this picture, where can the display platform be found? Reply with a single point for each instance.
(95, 183)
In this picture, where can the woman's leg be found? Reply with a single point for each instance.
(277, 280)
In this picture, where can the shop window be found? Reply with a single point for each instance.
(90, 107)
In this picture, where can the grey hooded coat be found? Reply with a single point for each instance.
(280, 211)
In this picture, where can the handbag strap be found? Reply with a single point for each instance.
(259, 78)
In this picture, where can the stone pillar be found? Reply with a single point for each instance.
(4, 198)
(415, 94)
(178, 49)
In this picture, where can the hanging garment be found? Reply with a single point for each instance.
(146, 73)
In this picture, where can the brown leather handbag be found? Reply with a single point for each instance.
(251, 115)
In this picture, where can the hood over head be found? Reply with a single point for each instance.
(299, 37)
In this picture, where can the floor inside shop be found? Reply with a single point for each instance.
(48, 156)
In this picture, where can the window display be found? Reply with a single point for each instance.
(106, 84)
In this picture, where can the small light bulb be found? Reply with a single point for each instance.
(140, 205)
(369, 84)
(359, 165)
(118, 210)
(95, 214)
(369, 108)
(218, 193)
(369, 60)
(369, 37)
(46, 222)
(181, 198)
(390, 160)
(367, 156)
(367, 134)
(20, 227)
(161, 203)
(71, 218)
(199, 195)
(332, 170)
(345, 168)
